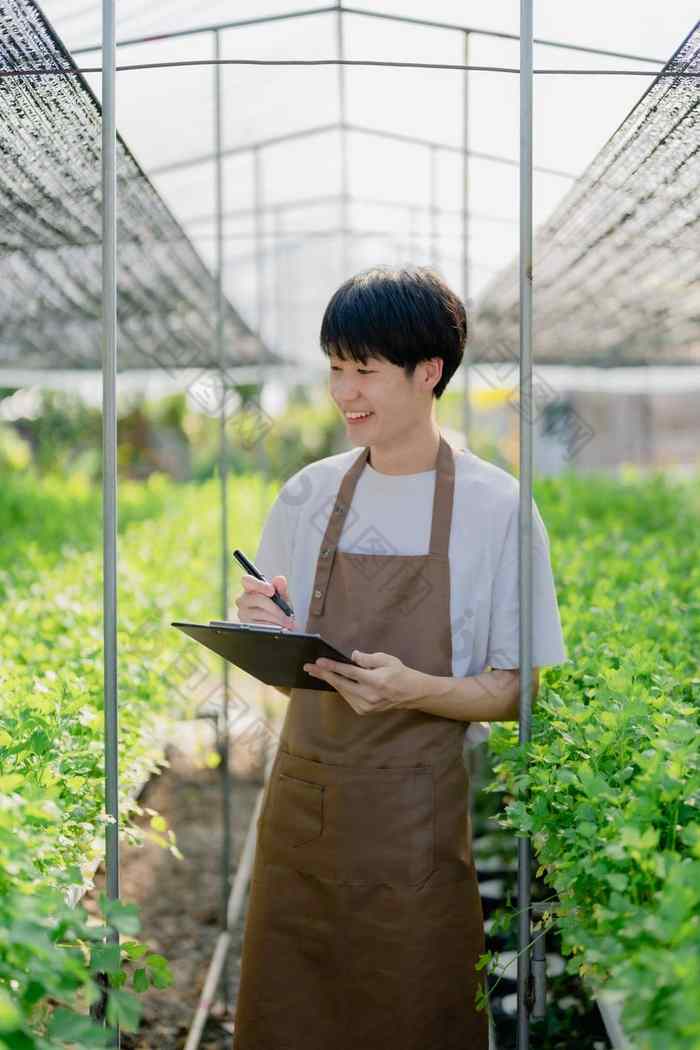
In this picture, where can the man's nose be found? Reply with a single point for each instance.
(346, 390)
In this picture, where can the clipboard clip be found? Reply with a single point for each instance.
(250, 626)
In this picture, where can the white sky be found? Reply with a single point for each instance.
(166, 116)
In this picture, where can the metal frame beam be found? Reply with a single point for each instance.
(344, 174)
(222, 725)
(213, 27)
(405, 19)
(334, 198)
(466, 291)
(109, 470)
(233, 151)
(525, 505)
(360, 129)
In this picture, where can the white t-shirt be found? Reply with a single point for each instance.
(391, 514)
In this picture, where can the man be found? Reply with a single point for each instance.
(365, 923)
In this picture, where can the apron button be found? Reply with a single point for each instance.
(317, 594)
(325, 552)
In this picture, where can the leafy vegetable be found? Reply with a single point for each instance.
(613, 770)
(52, 816)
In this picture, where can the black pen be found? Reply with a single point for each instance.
(249, 567)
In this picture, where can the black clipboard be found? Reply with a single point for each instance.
(273, 655)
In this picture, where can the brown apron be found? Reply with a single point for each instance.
(364, 920)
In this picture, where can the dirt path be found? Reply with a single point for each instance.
(180, 900)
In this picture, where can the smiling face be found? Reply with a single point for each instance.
(396, 403)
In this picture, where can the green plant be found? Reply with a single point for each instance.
(50, 959)
(52, 816)
(46, 519)
(610, 789)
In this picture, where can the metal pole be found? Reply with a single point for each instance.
(434, 255)
(278, 257)
(260, 271)
(525, 500)
(259, 238)
(415, 239)
(109, 457)
(324, 129)
(345, 261)
(223, 726)
(406, 20)
(466, 406)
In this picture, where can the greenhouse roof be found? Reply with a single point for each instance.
(51, 229)
(616, 275)
(330, 168)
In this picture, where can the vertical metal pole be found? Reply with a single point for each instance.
(260, 271)
(293, 262)
(415, 239)
(223, 724)
(525, 500)
(259, 239)
(434, 255)
(109, 458)
(466, 291)
(278, 250)
(345, 259)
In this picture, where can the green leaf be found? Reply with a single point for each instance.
(617, 880)
(10, 1016)
(105, 958)
(124, 1009)
(161, 974)
(140, 981)
(71, 1027)
(134, 949)
(567, 776)
(123, 917)
(18, 1040)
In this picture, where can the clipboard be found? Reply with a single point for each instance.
(274, 655)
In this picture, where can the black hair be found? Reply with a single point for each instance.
(405, 315)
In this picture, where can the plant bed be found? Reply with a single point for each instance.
(572, 1018)
(179, 900)
(52, 819)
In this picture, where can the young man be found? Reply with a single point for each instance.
(364, 923)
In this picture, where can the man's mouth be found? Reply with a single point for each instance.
(357, 417)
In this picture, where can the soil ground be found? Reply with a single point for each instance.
(180, 900)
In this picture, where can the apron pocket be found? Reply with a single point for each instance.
(296, 810)
(385, 827)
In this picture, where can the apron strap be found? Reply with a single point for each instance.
(334, 528)
(440, 524)
(443, 500)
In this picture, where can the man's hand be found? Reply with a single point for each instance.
(255, 604)
(379, 682)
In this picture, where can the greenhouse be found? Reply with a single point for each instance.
(202, 210)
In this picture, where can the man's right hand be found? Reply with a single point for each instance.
(255, 604)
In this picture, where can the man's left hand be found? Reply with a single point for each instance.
(373, 682)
